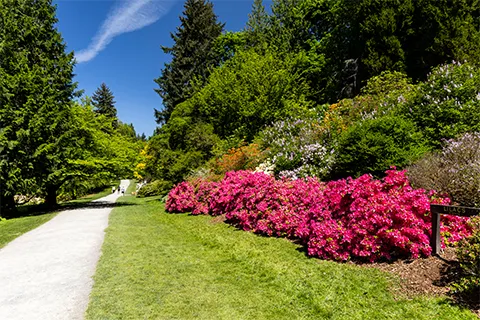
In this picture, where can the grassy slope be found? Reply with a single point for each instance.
(163, 266)
(90, 197)
(14, 228)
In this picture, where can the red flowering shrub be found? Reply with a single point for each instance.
(359, 218)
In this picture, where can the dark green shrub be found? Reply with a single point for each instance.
(155, 188)
(454, 170)
(372, 146)
(468, 253)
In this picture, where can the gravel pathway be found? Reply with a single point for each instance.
(47, 272)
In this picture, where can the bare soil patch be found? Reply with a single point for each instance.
(430, 276)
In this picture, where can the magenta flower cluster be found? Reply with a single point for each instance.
(361, 218)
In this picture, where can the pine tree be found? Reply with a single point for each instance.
(104, 104)
(257, 23)
(191, 55)
(36, 90)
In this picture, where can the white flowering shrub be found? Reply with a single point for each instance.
(297, 149)
(448, 103)
(266, 167)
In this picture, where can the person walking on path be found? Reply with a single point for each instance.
(47, 273)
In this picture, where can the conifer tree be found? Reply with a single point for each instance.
(257, 23)
(36, 91)
(104, 103)
(191, 56)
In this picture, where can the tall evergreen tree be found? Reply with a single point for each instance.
(103, 102)
(257, 23)
(36, 91)
(191, 56)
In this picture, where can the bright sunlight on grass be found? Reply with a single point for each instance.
(13, 228)
(165, 266)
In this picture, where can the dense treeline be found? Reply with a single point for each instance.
(326, 88)
(51, 144)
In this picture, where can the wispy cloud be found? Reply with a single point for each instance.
(128, 16)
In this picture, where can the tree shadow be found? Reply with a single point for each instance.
(40, 209)
(451, 273)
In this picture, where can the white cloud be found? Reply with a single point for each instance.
(129, 16)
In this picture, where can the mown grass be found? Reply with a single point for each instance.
(34, 216)
(13, 228)
(90, 197)
(165, 266)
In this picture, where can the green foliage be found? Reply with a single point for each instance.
(155, 188)
(248, 92)
(104, 103)
(257, 24)
(448, 103)
(360, 39)
(468, 253)
(127, 131)
(300, 55)
(170, 164)
(227, 45)
(455, 170)
(191, 54)
(372, 146)
(36, 89)
(103, 153)
(298, 148)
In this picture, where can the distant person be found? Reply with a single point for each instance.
(113, 189)
(118, 190)
(123, 191)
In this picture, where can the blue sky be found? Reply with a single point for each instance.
(118, 42)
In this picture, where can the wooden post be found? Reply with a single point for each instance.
(437, 210)
(435, 238)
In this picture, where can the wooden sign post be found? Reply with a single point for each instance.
(437, 210)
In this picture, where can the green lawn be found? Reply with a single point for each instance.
(13, 228)
(164, 266)
(89, 197)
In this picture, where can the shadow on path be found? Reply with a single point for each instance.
(36, 210)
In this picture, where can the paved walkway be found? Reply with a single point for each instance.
(46, 273)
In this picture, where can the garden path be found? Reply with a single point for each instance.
(47, 273)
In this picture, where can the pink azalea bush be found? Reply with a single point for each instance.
(361, 218)
(181, 198)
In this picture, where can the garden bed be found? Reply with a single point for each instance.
(431, 276)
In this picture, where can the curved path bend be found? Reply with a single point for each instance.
(47, 273)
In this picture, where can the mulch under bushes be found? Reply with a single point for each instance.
(428, 276)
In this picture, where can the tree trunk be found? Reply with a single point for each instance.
(51, 198)
(8, 207)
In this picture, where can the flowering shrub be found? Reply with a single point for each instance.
(454, 170)
(241, 158)
(181, 198)
(297, 148)
(447, 103)
(468, 252)
(360, 218)
(266, 167)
